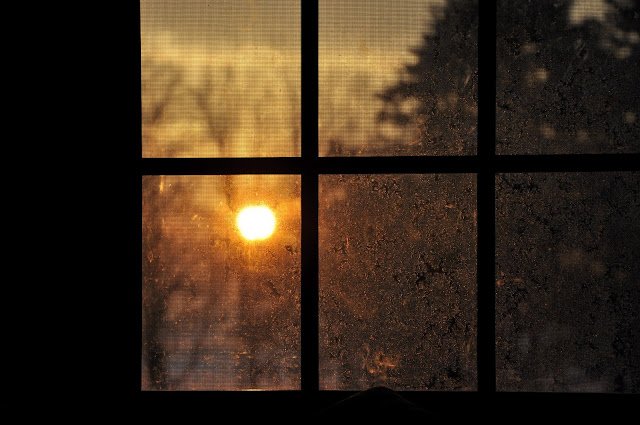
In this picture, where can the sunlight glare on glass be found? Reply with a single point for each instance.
(256, 222)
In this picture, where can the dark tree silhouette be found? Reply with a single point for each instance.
(437, 94)
(567, 297)
(562, 86)
(567, 87)
(219, 118)
(567, 285)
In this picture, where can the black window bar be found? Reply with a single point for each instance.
(485, 164)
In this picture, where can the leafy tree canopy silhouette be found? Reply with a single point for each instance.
(562, 86)
(437, 94)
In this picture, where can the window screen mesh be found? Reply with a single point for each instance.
(397, 252)
(220, 78)
(568, 282)
(567, 76)
(397, 282)
(219, 312)
(397, 77)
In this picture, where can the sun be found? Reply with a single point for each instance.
(256, 222)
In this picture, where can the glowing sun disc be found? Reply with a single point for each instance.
(256, 223)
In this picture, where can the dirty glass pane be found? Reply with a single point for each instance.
(397, 282)
(221, 284)
(397, 77)
(568, 282)
(220, 78)
(567, 76)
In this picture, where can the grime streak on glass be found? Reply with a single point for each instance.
(220, 312)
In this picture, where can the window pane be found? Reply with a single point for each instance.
(568, 77)
(397, 77)
(220, 79)
(568, 282)
(397, 282)
(220, 311)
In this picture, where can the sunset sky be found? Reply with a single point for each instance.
(225, 23)
(277, 23)
(363, 46)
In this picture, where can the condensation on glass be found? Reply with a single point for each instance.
(219, 312)
(397, 282)
(567, 76)
(220, 78)
(568, 282)
(397, 77)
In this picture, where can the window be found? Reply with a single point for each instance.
(521, 172)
